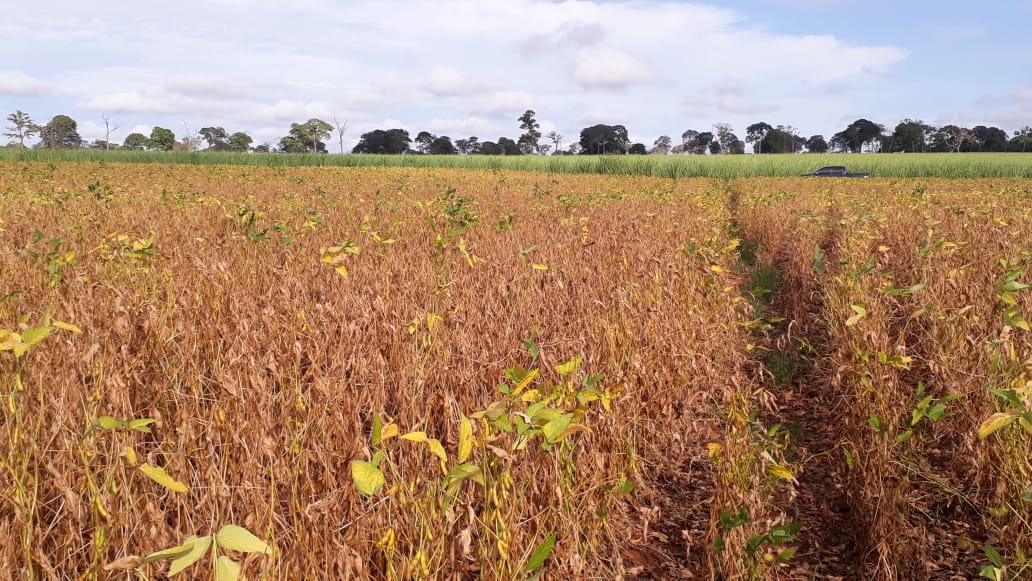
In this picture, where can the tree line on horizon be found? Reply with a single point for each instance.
(312, 136)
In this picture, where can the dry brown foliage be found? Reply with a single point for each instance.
(909, 294)
(264, 367)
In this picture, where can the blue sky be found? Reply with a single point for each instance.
(471, 67)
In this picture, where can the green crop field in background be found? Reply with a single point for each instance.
(942, 165)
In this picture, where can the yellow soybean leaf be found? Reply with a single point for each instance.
(388, 431)
(529, 377)
(226, 569)
(713, 449)
(860, 313)
(780, 472)
(9, 339)
(538, 266)
(129, 454)
(568, 367)
(368, 478)
(465, 438)
(157, 474)
(611, 393)
(531, 396)
(432, 320)
(415, 437)
(67, 327)
(995, 422)
(236, 538)
(341, 270)
(438, 450)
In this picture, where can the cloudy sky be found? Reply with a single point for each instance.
(471, 67)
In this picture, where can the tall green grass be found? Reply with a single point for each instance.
(942, 165)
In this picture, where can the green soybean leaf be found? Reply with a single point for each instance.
(140, 425)
(198, 547)
(235, 538)
(541, 552)
(110, 423)
(226, 569)
(171, 553)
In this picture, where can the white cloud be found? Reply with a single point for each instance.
(131, 102)
(628, 62)
(605, 67)
(570, 34)
(18, 83)
(290, 111)
(460, 128)
(504, 102)
(1023, 94)
(740, 105)
(451, 82)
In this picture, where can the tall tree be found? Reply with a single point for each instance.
(491, 148)
(952, 138)
(217, 138)
(637, 149)
(689, 141)
(776, 141)
(604, 139)
(703, 142)
(21, 127)
(391, 141)
(61, 133)
(662, 145)
(509, 147)
(108, 130)
(727, 140)
(423, 141)
(910, 135)
(1022, 136)
(239, 142)
(528, 142)
(309, 136)
(816, 144)
(755, 134)
(442, 146)
(469, 146)
(858, 134)
(798, 141)
(992, 139)
(341, 128)
(161, 139)
(136, 141)
(556, 139)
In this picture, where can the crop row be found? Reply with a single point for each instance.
(968, 165)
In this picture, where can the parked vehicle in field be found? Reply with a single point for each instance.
(835, 171)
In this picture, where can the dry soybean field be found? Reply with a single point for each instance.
(223, 372)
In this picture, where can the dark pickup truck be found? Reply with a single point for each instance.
(835, 171)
